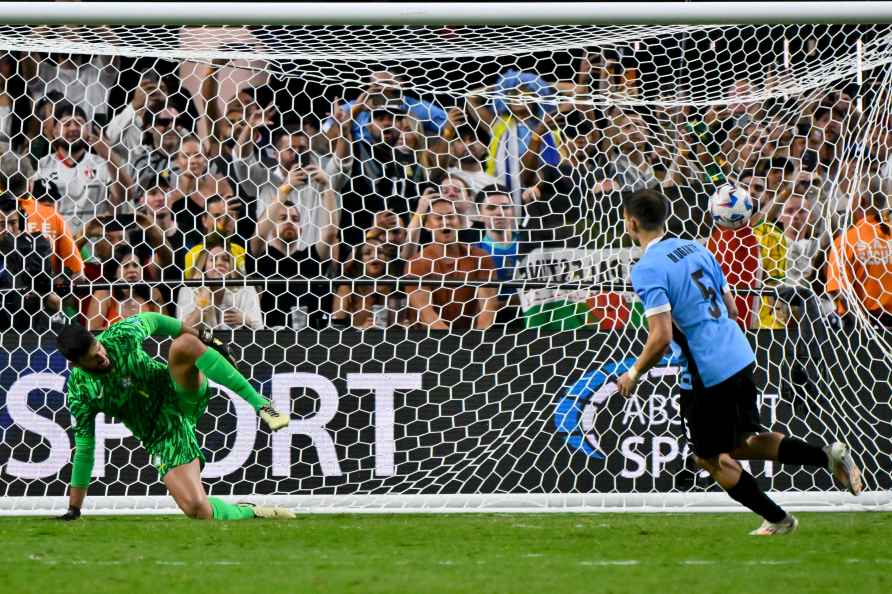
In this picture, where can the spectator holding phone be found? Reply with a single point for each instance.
(386, 87)
(386, 174)
(131, 133)
(277, 253)
(298, 177)
(859, 266)
(152, 204)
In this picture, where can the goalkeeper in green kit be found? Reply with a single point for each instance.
(159, 403)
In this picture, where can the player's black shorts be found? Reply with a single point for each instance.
(717, 419)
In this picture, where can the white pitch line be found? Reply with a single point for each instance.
(445, 562)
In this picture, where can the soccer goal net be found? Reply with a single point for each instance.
(411, 236)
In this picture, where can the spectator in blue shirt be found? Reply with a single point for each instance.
(500, 240)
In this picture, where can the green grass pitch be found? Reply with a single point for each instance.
(474, 553)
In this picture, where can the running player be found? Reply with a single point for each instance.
(160, 404)
(687, 300)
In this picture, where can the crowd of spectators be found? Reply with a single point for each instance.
(446, 196)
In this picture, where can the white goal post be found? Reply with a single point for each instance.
(490, 388)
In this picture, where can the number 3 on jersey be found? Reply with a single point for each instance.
(708, 294)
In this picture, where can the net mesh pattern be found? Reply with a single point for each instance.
(413, 239)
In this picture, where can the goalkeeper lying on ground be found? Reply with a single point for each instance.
(159, 403)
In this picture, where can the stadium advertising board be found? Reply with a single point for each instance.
(562, 309)
(412, 413)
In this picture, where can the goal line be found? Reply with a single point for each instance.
(713, 502)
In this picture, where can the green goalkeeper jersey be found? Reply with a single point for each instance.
(133, 391)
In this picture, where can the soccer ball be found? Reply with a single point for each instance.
(731, 207)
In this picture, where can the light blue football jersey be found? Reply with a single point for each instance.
(683, 277)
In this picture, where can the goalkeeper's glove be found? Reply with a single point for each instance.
(206, 335)
(73, 513)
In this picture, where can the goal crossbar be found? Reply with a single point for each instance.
(438, 13)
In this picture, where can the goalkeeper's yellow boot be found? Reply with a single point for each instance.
(273, 418)
(269, 512)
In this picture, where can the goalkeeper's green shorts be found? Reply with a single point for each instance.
(179, 445)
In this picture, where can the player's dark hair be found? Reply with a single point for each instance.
(649, 208)
(764, 166)
(188, 138)
(157, 183)
(73, 341)
(211, 201)
(493, 189)
(438, 177)
(821, 111)
(51, 99)
(8, 204)
(437, 200)
(65, 109)
(287, 132)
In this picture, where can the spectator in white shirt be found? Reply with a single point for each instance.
(796, 219)
(807, 310)
(125, 130)
(87, 181)
(144, 133)
(220, 308)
